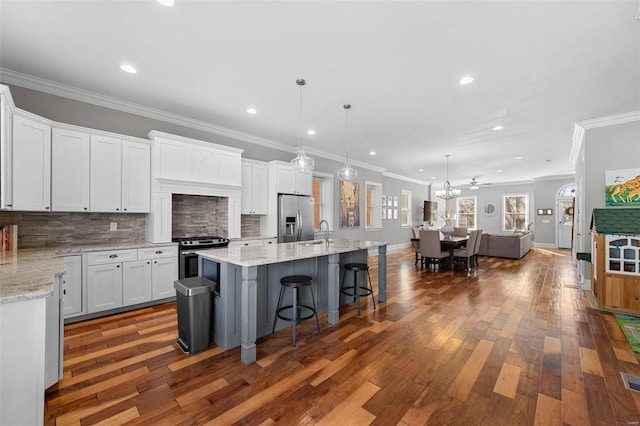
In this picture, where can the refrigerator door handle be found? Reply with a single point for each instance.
(299, 226)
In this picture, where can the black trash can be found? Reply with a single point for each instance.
(194, 300)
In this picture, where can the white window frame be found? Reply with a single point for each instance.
(376, 206)
(326, 189)
(504, 211)
(475, 210)
(409, 194)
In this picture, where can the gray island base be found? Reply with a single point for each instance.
(249, 284)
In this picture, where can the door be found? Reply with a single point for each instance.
(31, 165)
(136, 177)
(288, 216)
(104, 287)
(69, 171)
(106, 174)
(164, 272)
(136, 282)
(305, 206)
(565, 222)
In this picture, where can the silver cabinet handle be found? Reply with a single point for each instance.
(113, 256)
(158, 251)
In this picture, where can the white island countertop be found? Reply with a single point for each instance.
(285, 252)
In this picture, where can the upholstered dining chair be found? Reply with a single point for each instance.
(430, 251)
(476, 249)
(416, 244)
(459, 231)
(465, 255)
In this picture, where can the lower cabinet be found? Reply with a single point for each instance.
(72, 286)
(164, 271)
(104, 287)
(136, 282)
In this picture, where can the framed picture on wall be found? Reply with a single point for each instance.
(395, 201)
(384, 213)
(384, 201)
(395, 213)
(349, 204)
(389, 214)
(622, 187)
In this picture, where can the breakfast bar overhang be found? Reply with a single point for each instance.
(248, 278)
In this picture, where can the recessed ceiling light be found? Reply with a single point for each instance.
(517, 158)
(421, 170)
(433, 177)
(497, 128)
(166, 2)
(311, 132)
(252, 111)
(498, 171)
(128, 68)
(466, 80)
(372, 153)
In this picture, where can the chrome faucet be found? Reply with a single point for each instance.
(326, 233)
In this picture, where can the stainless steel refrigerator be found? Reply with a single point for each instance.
(295, 218)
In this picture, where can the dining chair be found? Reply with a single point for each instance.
(476, 249)
(465, 255)
(416, 244)
(430, 250)
(460, 231)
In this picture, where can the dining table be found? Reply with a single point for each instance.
(449, 243)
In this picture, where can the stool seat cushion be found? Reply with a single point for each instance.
(356, 266)
(296, 280)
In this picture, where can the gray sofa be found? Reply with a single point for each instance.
(513, 246)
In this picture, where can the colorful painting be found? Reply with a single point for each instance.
(349, 204)
(622, 187)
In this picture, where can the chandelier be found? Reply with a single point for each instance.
(302, 161)
(347, 172)
(447, 192)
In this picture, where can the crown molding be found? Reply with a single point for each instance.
(405, 178)
(555, 177)
(39, 84)
(593, 123)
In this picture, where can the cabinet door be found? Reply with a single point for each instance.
(72, 285)
(204, 165)
(247, 188)
(104, 287)
(304, 181)
(158, 222)
(6, 174)
(234, 218)
(136, 282)
(172, 160)
(69, 171)
(136, 177)
(286, 179)
(164, 273)
(54, 331)
(260, 177)
(106, 174)
(31, 165)
(228, 169)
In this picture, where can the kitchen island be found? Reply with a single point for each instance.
(249, 284)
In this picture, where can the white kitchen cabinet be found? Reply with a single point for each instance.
(106, 174)
(136, 177)
(72, 286)
(120, 175)
(54, 334)
(234, 221)
(69, 170)
(136, 282)
(164, 269)
(31, 151)
(254, 187)
(104, 287)
(158, 221)
(290, 181)
(6, 174)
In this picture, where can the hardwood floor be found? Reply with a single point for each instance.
(511, 343)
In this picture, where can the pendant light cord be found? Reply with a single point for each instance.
(347, 107)
(301, 82)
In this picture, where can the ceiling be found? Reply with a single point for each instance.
(539, 68)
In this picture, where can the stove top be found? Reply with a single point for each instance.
(207, 241)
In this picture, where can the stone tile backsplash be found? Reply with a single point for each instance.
(50, 229)
(198, 215)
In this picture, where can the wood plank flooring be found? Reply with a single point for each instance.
(509, 344)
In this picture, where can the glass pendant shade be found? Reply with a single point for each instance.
(447, 192)
(302, 161)
(473, 186)
(347, 172)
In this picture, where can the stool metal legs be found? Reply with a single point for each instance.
(296, 315)
(357, 289)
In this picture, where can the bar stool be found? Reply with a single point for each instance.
(356, 291)
(295, 282)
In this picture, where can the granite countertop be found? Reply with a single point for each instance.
(27, 274)
(285, 252)
(259, 237)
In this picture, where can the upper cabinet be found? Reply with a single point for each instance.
(191, 160)
(31, 152)
(120, 175)
(6, 175)
(69, 170)
(290, 181)
(254, 187)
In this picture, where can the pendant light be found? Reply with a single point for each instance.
(347, 172)
(447, 192)
(473, 185)
(302, 161)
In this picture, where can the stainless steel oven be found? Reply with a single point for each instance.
(188, 259)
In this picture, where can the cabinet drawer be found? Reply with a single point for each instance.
(157, 252)
(111, 256)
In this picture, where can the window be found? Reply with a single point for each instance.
(373, 205)
(406, 208)
(466, 209)
(515, 212)
(321, 191)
